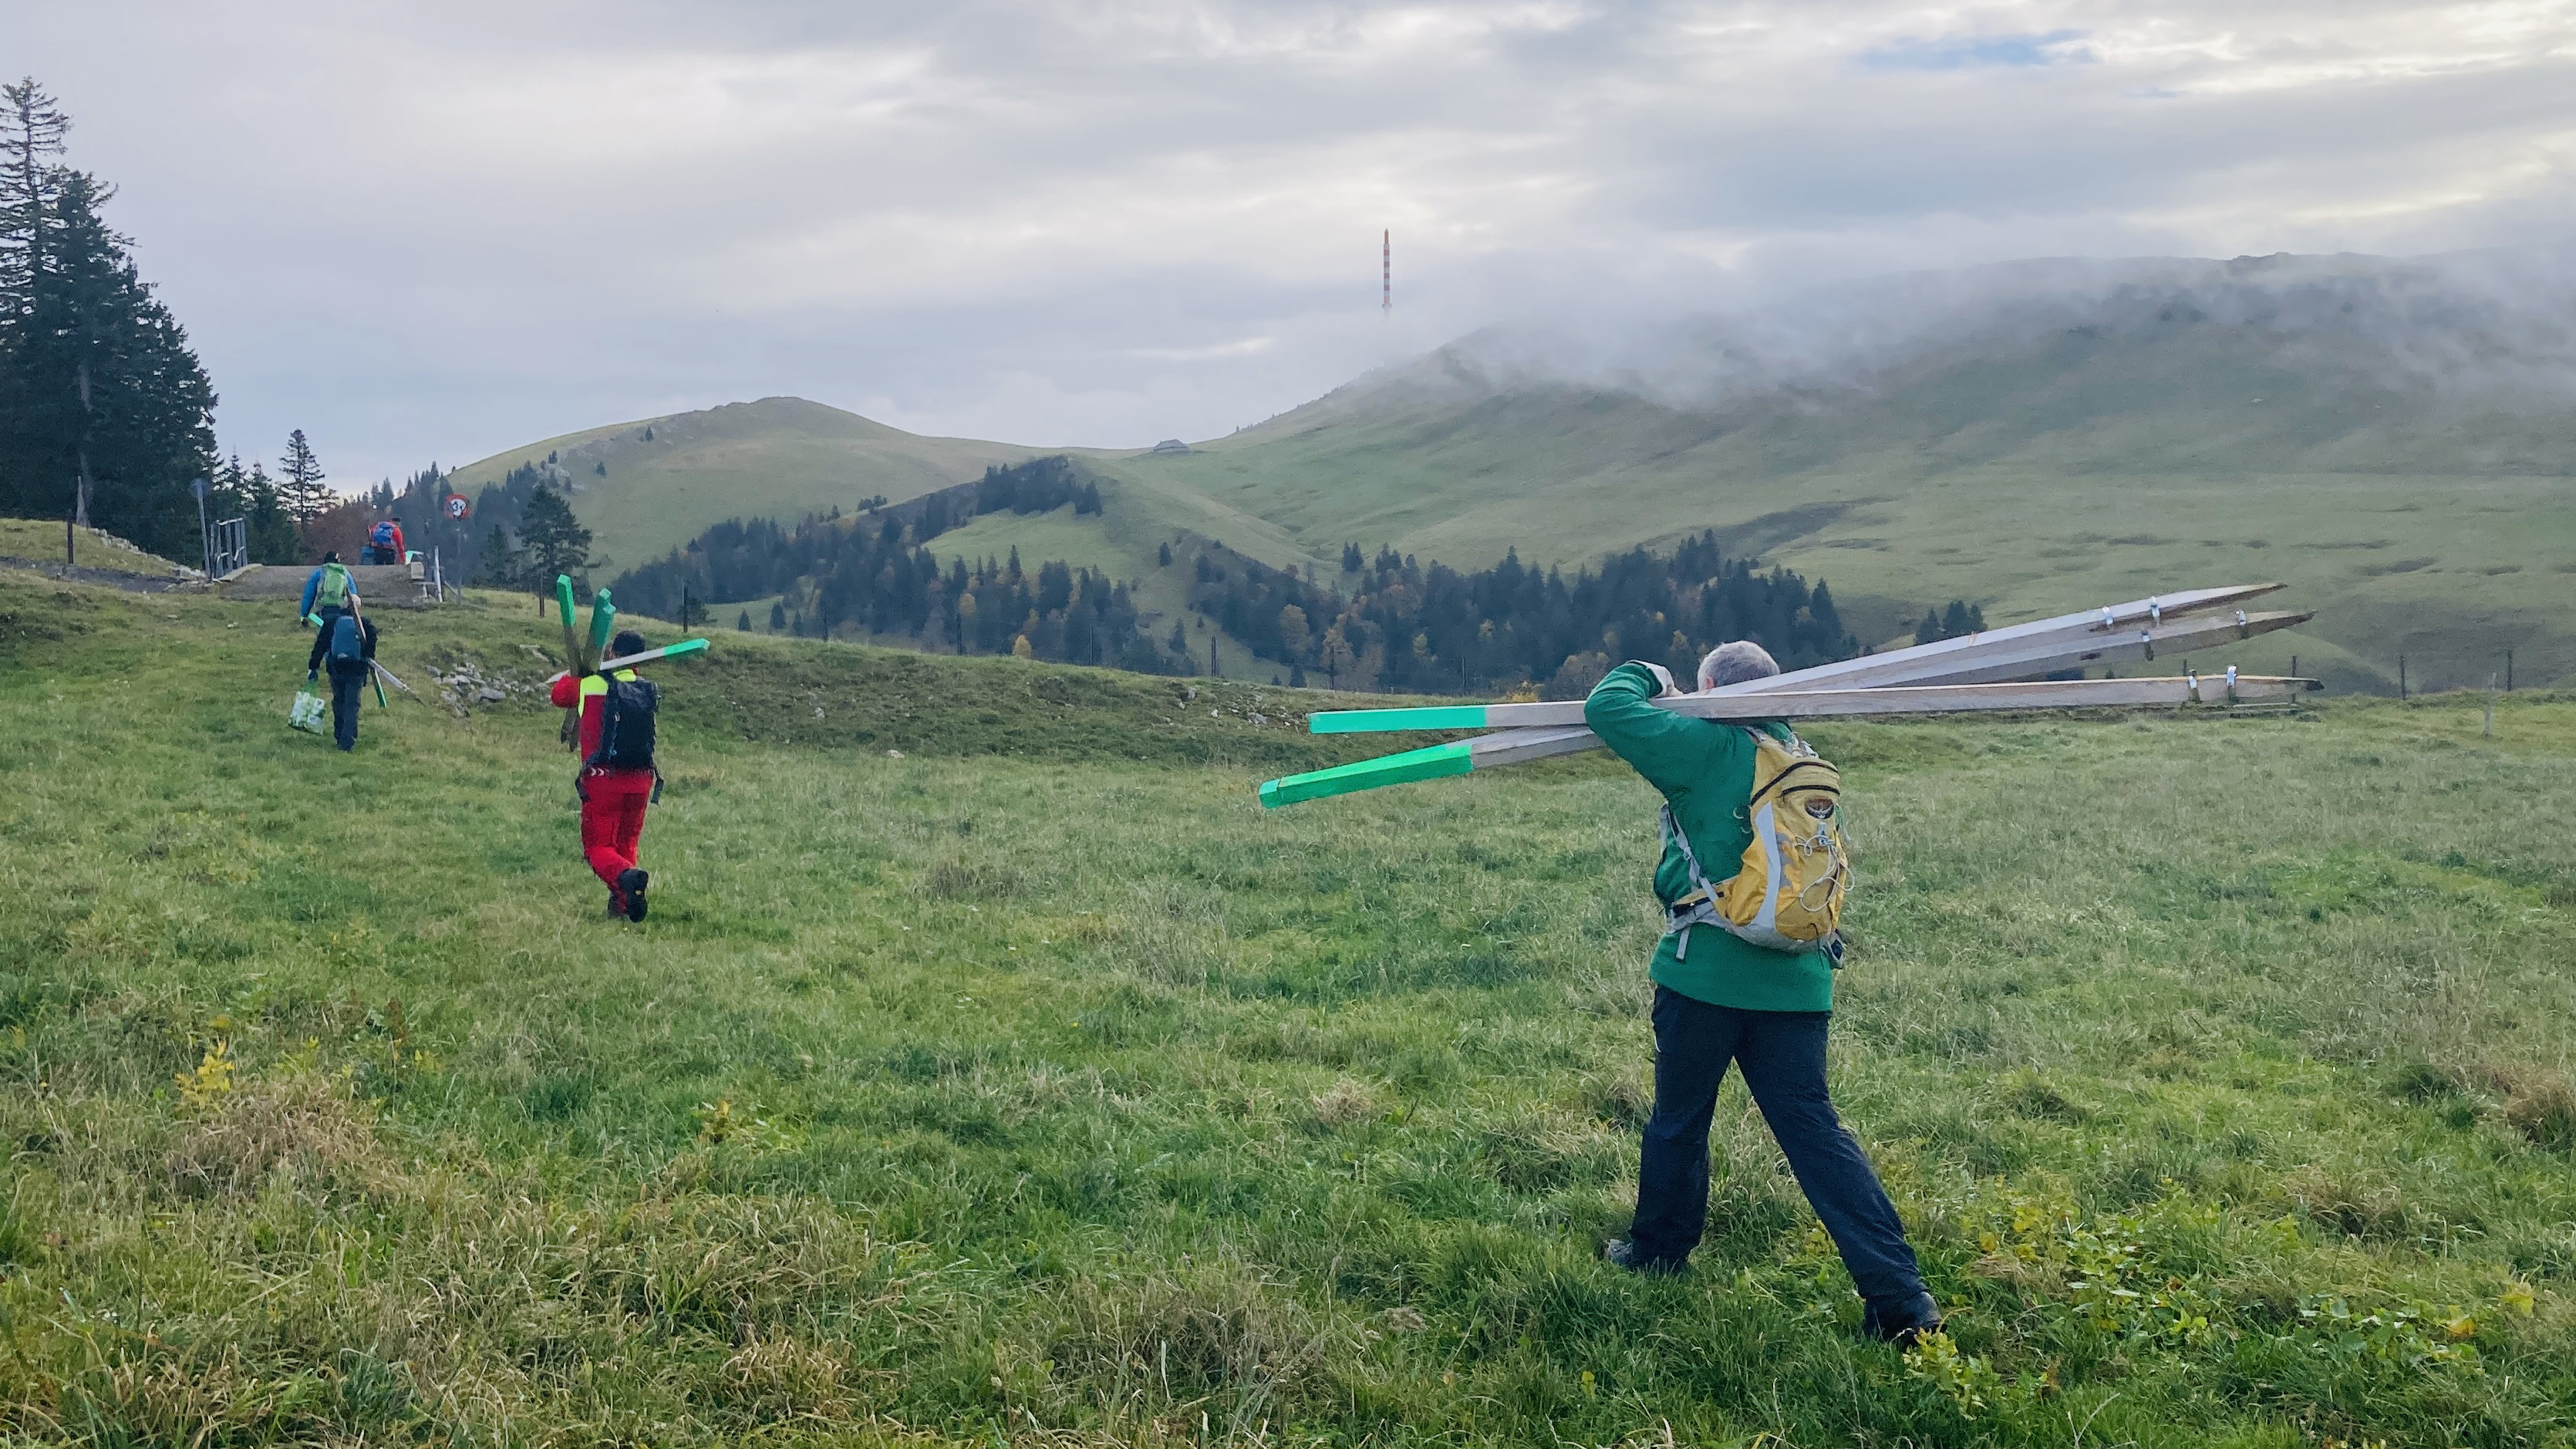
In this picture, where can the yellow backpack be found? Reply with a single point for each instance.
(1788, 893)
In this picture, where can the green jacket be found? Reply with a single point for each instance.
(1705, 770)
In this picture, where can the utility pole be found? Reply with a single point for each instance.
(2401, 676)
(80, 501)
(205, 540)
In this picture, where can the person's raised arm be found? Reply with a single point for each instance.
(1668, 749)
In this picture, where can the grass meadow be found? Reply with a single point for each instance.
(992, 1069)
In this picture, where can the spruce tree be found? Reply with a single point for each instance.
(105, 415)
(555, 541)
(299, 484)
(501, 565)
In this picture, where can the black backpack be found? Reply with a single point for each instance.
(626, 726)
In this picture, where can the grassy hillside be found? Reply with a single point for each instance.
(39, 538)
(1123, 541)
(2032, 468)
(2392, 438)
(1038, 1086)
(780, 456)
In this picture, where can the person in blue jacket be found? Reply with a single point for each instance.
(327, 591)
(347, 645)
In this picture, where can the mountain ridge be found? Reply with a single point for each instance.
(2392, 436)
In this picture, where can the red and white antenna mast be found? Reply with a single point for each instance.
(1386, 273)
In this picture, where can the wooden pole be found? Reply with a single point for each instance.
(1923, 665)
(1513, 746)
(2401, 676)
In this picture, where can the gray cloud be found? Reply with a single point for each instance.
(434, 231)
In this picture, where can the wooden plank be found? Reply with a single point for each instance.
(2042, 655)
(1516, 746)
(629, 661)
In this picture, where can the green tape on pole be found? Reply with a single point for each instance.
(1369, 721)
(563, 598)
(669, 651)
(603, 622)
(1431, 763)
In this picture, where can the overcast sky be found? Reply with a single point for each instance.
(437, 230)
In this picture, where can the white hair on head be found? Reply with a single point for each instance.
(1735, 662)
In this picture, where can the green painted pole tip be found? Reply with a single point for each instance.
(1370, 721)
(1430, 763)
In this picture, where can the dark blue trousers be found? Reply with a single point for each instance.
(1782, 1054)
(346, 679)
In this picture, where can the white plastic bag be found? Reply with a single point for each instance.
(307, 712)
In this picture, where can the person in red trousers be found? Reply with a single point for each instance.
(613, 799)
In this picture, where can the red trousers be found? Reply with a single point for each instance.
(612, 818)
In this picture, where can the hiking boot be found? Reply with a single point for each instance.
(631, 884)
(616, 904)
(1902, 1321)
(1624, 1253)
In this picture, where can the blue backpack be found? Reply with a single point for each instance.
(347, 642)
(382, 535)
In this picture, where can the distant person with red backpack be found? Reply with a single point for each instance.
(385, 542)
(617, 779)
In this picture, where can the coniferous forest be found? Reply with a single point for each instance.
(1390, 623)
(105, 414)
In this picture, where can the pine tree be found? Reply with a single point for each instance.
(743, 624)
(105, 414)
(555, 541)
(777, 616)
(299, 484)
(501, 565)
(1163, 556)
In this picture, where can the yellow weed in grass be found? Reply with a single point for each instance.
(211, 1081)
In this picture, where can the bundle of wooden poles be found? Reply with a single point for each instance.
(1947, 676)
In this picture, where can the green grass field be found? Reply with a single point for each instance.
(1037, 1087)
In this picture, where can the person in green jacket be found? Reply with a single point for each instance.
(1720, 999)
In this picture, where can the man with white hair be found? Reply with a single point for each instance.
(1720, 998)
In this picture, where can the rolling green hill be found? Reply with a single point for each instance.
(2382, 437)
(2395, 440)
(781, 456)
